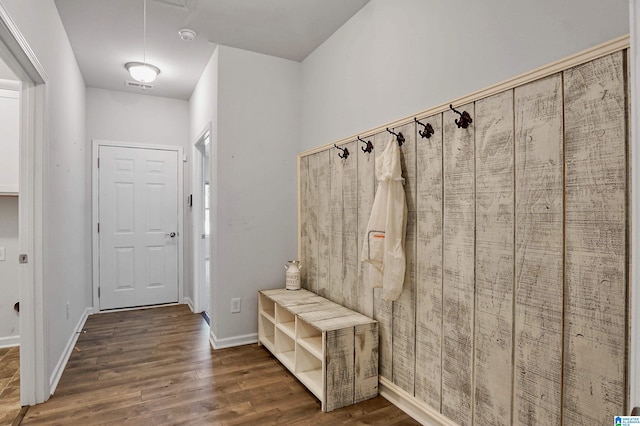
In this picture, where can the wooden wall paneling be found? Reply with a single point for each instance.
(383, 309)
(539, 252)
(458, 294)
(304, 217)
(629, 244)
(404, 309)
(493, 367)
(428, 376)
(366, 188)
(340, 368)
(324, 220)
(310, 264)
(336, 268)
(366, 362)
(350, 247)
(595, 268)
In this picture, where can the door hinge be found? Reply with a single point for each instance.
(98, 227)
(23, 258)
(98, 162)
(98, 292)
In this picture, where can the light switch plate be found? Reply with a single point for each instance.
(2, 254)
(235, 305)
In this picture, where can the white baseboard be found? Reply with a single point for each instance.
(64, 358)
(187, 301)
(229, 342)
(9, 342)
(417, 409)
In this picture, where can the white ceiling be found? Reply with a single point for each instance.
(105, 34)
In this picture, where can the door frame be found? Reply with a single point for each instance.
(96, 144)
(196, 209)
(32, 205)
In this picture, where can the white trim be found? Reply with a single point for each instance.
(603, 49)
(187, 301)
(230, 342)
(94, 211)
(10, 85)
(9, 342)
(9, 190)
(634, 305)
(418, 410)
(196, 216)
(66, 354)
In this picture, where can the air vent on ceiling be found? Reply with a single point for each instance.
(142, 86)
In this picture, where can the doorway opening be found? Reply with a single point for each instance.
(23, 64)
(9, 245)
(202, 224)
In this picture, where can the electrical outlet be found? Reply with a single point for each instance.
(67, 310)
(235, 305)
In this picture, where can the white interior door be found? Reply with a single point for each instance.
(138, 226)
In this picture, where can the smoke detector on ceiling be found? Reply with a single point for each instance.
(186, 34)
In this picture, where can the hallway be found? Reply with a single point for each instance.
(155, 366)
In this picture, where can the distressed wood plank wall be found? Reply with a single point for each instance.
(494, 260)
(429, 266)
(539, 252)
(459, 268)
(595, 274)
(404, 309)
(514, 308)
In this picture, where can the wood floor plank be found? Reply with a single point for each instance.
(187, 383)
(9, 384)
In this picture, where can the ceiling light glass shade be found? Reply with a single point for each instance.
(144, 73)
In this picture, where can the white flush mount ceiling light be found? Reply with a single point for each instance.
(186, 34)
(142, 71)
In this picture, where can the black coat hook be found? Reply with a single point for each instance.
(465, 118)
(399, 136)
(345, 152)
(369, 147)
(428, 129)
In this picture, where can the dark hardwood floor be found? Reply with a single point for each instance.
(9, 384)
(156, 367)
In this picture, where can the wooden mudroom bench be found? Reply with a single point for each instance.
(331, 349)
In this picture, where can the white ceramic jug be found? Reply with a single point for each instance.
(293, 274)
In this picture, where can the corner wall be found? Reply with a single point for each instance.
(67, 243)
(395, 58)
(253, 102)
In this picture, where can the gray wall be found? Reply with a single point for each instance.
(395, 58)
(253, 102)
(67, 244)
(138, 118)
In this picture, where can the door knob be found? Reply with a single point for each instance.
(172, 234)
